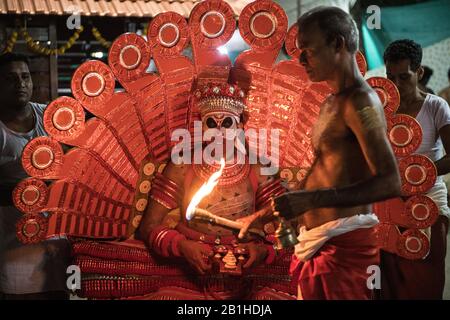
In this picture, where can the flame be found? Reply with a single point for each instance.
(204, 190)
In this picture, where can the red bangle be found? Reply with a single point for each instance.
(164, 241)
(165, 192)
(264, 193)
(164, 199)
(154, 234)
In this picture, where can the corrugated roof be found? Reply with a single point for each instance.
(111, 8)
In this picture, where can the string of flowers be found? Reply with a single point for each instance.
(37, 48)
(98, 36)
(11, 42)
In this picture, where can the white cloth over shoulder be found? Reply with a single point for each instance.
(434, 114)
(310, 241)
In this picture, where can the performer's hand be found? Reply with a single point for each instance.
(257, 253)
(253, 220)
(292, 204)
(197, 254)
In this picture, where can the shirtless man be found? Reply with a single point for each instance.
(354, 167)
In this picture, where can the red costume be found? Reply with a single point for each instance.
(102, 186)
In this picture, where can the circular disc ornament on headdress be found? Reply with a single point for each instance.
(129, 56)
(42, 157)
(64, 118)
(387, 92)
(422, 211)
(212, 23)
(263, 24)
(404, 133)
(291, 43)
(413, 244)
(418, 174)
(31, 228)
(168, 34)
(362, 63)
(30, 195)
(93, 84)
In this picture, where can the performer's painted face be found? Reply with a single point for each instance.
(220, 121)
(317, 56)
(222, 126)
(401, 74)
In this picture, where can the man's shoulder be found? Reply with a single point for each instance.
(436, 101)
(362, 97)
(38, 107)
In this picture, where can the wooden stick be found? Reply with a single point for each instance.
(207, 215)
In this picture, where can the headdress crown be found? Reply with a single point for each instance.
(216, 97)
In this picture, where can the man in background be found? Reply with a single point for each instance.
(34, 271)
(420, 279)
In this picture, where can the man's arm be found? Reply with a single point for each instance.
(156, 212)
(169, 242)
(364, 116)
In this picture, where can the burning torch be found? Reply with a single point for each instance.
(202, 214)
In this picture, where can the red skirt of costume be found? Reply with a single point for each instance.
(416, 279)
(126, 270)
(338, 270)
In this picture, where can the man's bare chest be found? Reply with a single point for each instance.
(330, 128)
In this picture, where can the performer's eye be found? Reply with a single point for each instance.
(227, 122)
(211, 123)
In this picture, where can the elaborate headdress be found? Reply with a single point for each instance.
(220, 97)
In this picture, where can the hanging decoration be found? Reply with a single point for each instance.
(98, 36)
(11, 42)
(37, 48)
